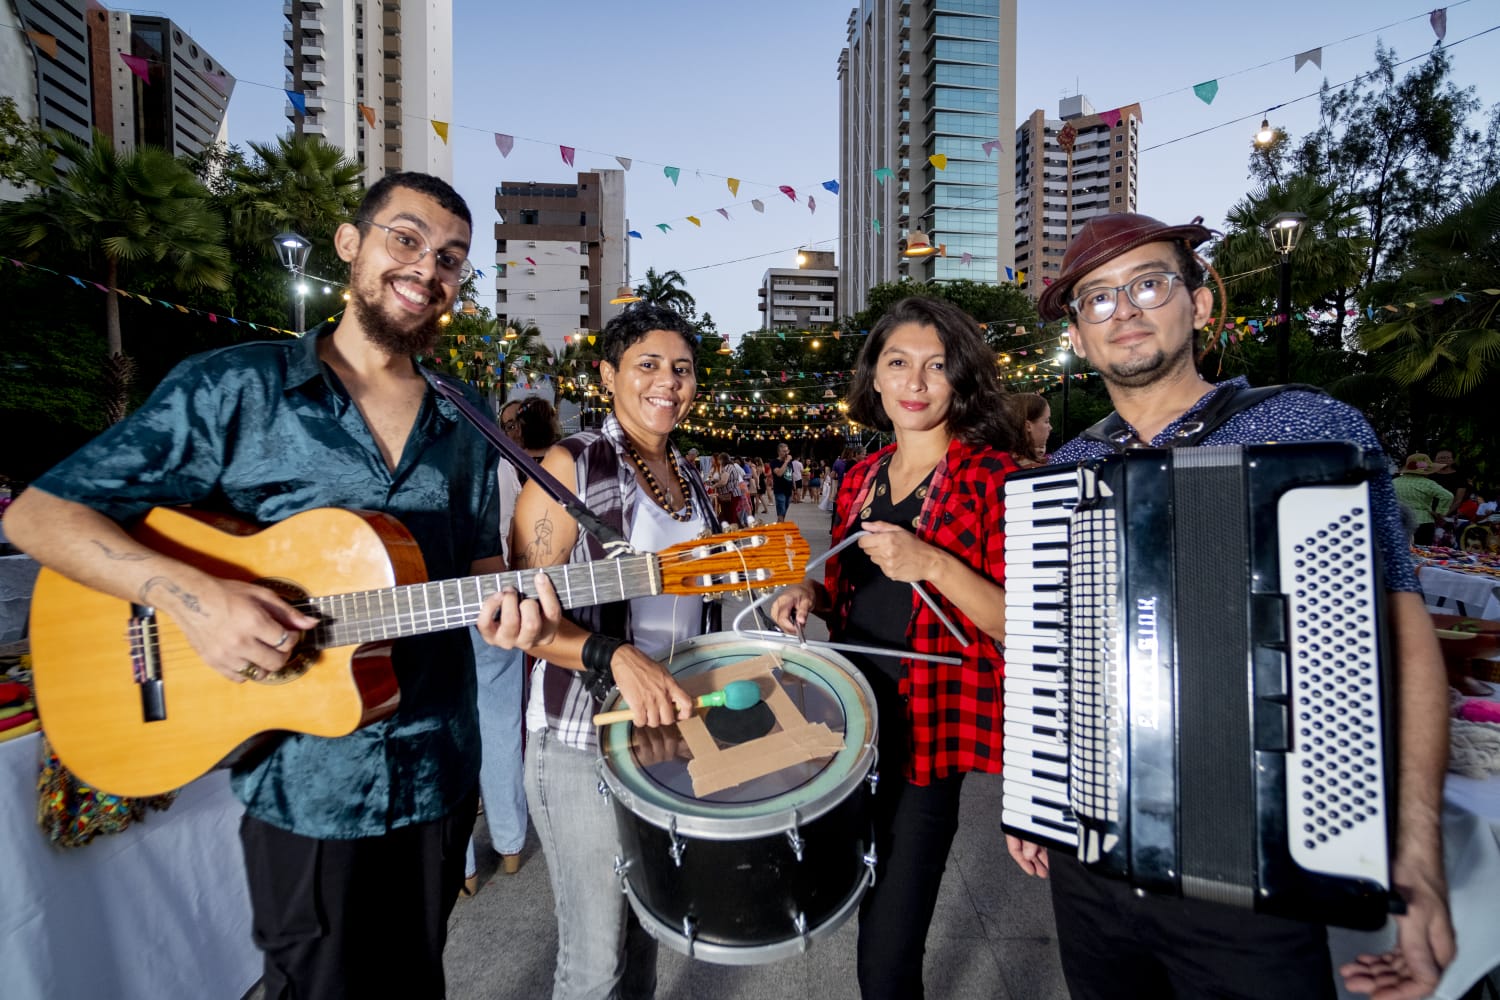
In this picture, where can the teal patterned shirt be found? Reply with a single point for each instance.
(265, 430)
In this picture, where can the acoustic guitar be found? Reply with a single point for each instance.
(130, 707)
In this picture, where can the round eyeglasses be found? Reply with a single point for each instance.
(1145, 291)
(407, 246)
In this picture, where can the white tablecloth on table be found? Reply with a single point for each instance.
(160, 909)
(1453, 592)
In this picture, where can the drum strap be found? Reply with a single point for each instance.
(615, 544)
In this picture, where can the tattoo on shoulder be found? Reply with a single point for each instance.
(188, 600)
(110, 553)
(539, 550)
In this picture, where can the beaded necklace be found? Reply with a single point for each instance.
(657, 492)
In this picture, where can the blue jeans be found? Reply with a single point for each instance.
(602, 950)
(783, 501)
(500, 674)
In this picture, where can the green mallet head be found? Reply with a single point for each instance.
(736, 695)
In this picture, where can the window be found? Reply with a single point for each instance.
(1119, 153)
(1119, 170)
(1119, 183)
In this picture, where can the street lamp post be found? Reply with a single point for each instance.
(293, 250)
(1284, 230)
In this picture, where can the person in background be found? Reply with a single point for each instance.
(932, 504)
(1423, 499)
(783, 478)
(353, 845)
(766, 503)
(632, 477)
(731, 489)
(1033, 415)
(500, 673)
(1449, 477)
(1133, 291)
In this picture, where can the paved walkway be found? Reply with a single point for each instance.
(992, 936)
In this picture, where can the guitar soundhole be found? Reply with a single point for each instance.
(302, 657)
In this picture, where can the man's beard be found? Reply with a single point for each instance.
(388, 335)
(1144, 371)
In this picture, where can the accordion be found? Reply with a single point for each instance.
(1196, 698)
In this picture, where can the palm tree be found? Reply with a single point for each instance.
(525, 349)
(667, 289)
(300, 183)
(117, 209)
(1449, 350)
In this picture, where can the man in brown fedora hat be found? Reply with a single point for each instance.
(1133, 290)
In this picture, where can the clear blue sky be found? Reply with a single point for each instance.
(751, 91)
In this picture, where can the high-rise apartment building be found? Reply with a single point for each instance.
(800, 297)
(54, 34)
(561, 253)
(1103, 179)
(918, 80)
(374, 75)
(182, 107)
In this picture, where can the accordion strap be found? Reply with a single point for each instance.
(1114, 431)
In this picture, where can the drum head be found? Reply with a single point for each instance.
(647, 770)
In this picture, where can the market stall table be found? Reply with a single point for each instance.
(160, 909)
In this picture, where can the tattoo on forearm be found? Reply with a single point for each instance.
(110, 553)
(187, 600)
(539, 551)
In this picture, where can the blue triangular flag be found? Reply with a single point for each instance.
(832, 186)
(632, 232)
(298, 101)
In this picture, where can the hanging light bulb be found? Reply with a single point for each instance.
(1265, 133)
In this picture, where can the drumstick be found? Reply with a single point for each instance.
(736, 695)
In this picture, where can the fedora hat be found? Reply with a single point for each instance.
(1418, 465)
(1101, 240)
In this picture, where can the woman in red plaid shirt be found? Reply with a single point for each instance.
(932, 504)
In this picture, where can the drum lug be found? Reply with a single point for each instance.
(871, 860)
(799, 924)
(603, 788)
(794, 837)
(689, 932)
(678, 845)
(621, 867)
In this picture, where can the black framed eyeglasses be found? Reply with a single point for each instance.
(1145, 291)
(407, 246)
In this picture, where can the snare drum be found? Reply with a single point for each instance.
(757, 872)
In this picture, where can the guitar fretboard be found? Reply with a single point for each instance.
(419, 608)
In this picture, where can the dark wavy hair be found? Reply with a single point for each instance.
(635, 322)
(435, 188)
(539, 427)
(1024, 407)
(977, 413)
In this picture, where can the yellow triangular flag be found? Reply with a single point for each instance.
(441, 128)
(591, 339)
(694, 220)
(938, 160)
(734, 186)
(47, 43)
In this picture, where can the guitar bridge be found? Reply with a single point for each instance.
(145, 662)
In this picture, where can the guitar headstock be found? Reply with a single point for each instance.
(769, 555)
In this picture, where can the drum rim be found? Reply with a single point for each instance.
(710, 827)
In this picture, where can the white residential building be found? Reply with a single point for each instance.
(800, 297)
(375, 75)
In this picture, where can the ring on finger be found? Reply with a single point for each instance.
(250, 671)
(282, 641)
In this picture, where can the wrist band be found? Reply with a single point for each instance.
(598, 651)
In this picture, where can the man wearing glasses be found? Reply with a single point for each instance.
(354, 845)
(1133, 290)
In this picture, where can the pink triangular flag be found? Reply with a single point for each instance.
(812, 206)
(1110, 118)
(139, 66)
(723, 212)
(567, 154)
(505, 143)
(217, 79)
(1439, 22)
(787, 190)
(990, 147)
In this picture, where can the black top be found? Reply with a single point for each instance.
(881, 609)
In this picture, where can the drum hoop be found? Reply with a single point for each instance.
(709, 827)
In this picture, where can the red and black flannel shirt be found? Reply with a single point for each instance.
(953, 711)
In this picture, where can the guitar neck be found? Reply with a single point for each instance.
(419, 608)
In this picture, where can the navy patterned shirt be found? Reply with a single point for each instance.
(1293, 415)
(263, 431)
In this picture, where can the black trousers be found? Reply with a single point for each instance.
(347, 919)
(1119, 946)
(914, 830)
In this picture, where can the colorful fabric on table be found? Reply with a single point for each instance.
(71, 813)
(10, 711)
(13, 691)
(19, 719)
(34, 726)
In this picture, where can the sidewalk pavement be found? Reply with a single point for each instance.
(992, 936)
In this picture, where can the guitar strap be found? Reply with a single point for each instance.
(615, 545)
(1114, 431)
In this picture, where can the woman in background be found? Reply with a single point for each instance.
(1032, 415)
